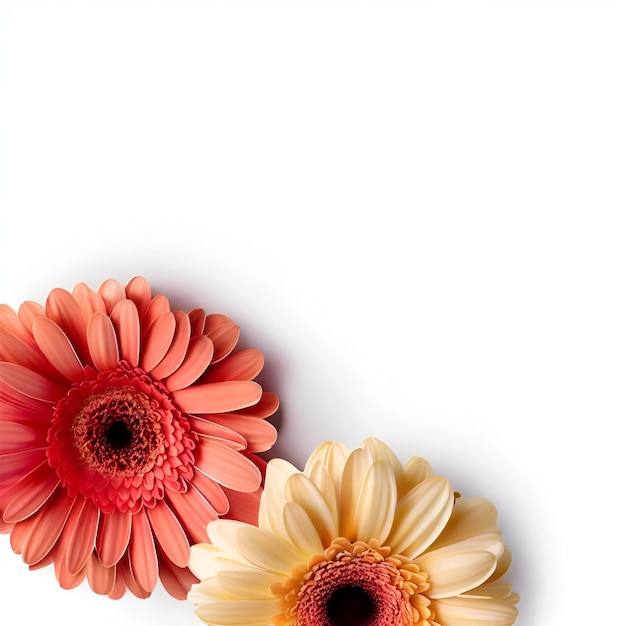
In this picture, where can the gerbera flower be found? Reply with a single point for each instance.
(356, 540)
(125, 427)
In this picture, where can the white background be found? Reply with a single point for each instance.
(413, 208)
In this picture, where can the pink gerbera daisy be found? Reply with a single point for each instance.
(125, 427)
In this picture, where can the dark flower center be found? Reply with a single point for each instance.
(350, 606)
(118, 435)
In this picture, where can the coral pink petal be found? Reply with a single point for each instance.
(226, 466)
(142, 552)
(125, 318)
(113, 536)
(95, 304)
(30, 383)
(81, 292)
(101, 579)
(82, 541)
(177, 350)
(50, 523)
(119, 588)
(224, 334)
(30, 493)
(196, 361)
(15, 437)
(62, 308)
(217, 431)
(244, 506)
(197, 317)
(176, 580)
(194, 511)
(158, 305)
(16, 464)
(112, 293)
(217, 397)
(102, 342)
(20, 533)
(266, 406)
(123, 569)
(157, 340)
(242, 365)
(27, 314)
(213, 492)
(259, 434)
(15, 323)
(138, 290)
(15, 350)
(169, 533)
(58, 349)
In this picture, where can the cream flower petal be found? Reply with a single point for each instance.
(252, 584)
(239, 613)
(333, 457)
(420, 516)
(321, 478)
(300, 489)
(357, 464)
(267, 551)
(377, 503)
(470, 517)
(415, 471)
(301, 530)
(467, 611)
(451, 573)
(273, 496)
(382, 452)
(206, 560)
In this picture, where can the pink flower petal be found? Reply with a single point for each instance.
(193, 511)
(46, 532)
(80, 535)
(242, 365)
(14, 323)
(101, 579)
(259, 434)
(175, 580)
(112, 293)
(266, 406)
(169, 533)
(157, 340)
(244, 506)
(17, 464)
(142, 553)
(30, 493)
(113, 536)
(213, 492)
(125, 318)
(27, 313)
(58, 349)
(95, 304)
(224, 334)
(15, 437)
(102, 342)
(217, 431)
(30, 383)
(138, 290)
(158, 305)
(14, 349)
(62, 308)
(123, 570)
(226, 466)
(217, 397)
(177, 350)
(196, 318)
(196, 361)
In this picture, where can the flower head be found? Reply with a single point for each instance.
(125, 427)
(356, 539)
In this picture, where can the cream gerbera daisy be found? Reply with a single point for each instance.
(356, 540)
